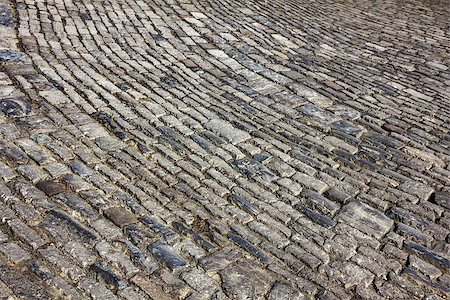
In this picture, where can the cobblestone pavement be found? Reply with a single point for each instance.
(284, 149)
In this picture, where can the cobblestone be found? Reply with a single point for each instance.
(224, 150)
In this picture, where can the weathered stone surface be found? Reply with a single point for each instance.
(350, 274)
(11, 56)
(120, 216)
(220, 260)
(74, 225)
(95, 289)
(190, 150)
(15, 107)
(427, 254)
(317, 217)
(14, 154)
(14, 253)
(51, 188)
(312, 96)
(26, 234)
(419, 277)
(200, 282)
(140, 258)
(198, 238)
(365, 218)
(251, 168)
(6, 16)
(167, 255)
(168, 234)
(348, 128)
(225, 129)
(442, 198)
(318, 116)
(422, 191)
(423, 267)
(108, 276)
(23, 283)
(150, 288)
(241, 242)
(422, 224)
(281, 291)
(244, 280)
(244, 204)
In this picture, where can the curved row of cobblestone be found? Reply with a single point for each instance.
(224, 150)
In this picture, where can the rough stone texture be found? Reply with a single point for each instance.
(51, 188)
(120, 216)
(167, 255)
(282, 291)
(230, 149)
(365, 218)
(13, 57)
(228, 131)
(245, 280)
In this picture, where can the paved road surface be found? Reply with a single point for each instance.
(283, 149)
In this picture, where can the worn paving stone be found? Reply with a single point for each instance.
(284, 291)
(14, 253)
(14, 154)
(11, 56)
(442, 198)
(417, 188)
(167, 255)
(120, 216)
(246, 245)
(15, 107)
(24, 284)
(366, 219)
(245, 280)
(220, 259)
(248, 150)
(108, 275)
(51, 188)
(225, 129)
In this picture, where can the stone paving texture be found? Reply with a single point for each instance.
(178, 149)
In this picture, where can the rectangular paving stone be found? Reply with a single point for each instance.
(228, 131)
(11, 56)
(167, 255)
(200, 281)
(422, 278)
(108, 275)
(26, 234)
(116, 257)
(317, 217)
(366, 219)
(96, 290)
(247, 246)
(310, 182)
(197, 237)
(150, 288)
(63, 263)
(429, 255)
(120, 216)
(14, 252)
(24, 284)
(51, 188)
(419, 189)
(74, 225)
(158, 227)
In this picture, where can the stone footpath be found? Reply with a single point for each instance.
(181, 149)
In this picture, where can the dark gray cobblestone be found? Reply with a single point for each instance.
(224, 149)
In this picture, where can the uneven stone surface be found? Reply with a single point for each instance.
(209, 149)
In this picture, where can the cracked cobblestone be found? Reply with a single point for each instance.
(208, 149)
